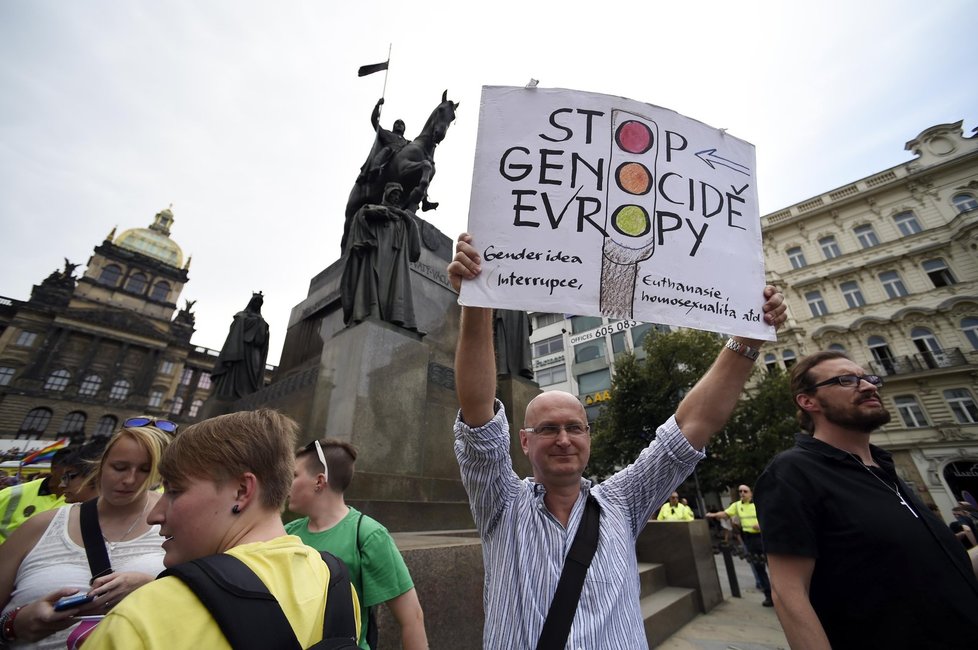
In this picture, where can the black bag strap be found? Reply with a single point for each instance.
(563, 607)
(98, 557)
(371, 622)
(249, 615)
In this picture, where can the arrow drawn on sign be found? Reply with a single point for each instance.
(710, 158)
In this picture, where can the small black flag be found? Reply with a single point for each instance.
(370, 69)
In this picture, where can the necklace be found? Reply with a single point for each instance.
(135, 521)
(896, 490)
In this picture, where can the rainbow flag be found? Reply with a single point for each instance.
(45, 453)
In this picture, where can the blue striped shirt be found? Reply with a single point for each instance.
(524, 546)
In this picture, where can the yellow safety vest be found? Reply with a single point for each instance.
(18, 503)
(747, 514)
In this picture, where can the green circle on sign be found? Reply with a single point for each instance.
(631, 220)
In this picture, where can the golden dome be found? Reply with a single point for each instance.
(154, 241)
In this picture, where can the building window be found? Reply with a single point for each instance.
(6, 375)
(36, 421)
(161, 291)
(74, 422)
(618, 343)
(910, 411)
(137, 283)
(907, 223)
(962, 405)
(592, 382)
(90, 385)
(590, 350)
(542, 320)
(57, 380)
(970, 328)
(789, 358)
(938, 273)
(187, 375)
(195, 407)
(119, 390)
(177, 406)
(205, 381)
(584, 323)
(928, 346)
(893, 285)
(155, 398)
(816, 304)
(166, 368)
(771, 362)
(551, 376)
(25, 339)
(866, 236)
(110, 276)
(830, 247)
(838, 347)
(547, 346)
(880, 350)
(105, 426)
(852, 294)
(964, 202)
(796, 257)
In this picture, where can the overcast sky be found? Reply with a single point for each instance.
(249, 118)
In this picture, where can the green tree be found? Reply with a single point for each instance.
(644, 393)
(762, 425)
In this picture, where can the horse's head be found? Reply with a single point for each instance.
(440, 119)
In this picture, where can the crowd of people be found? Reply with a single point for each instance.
(158, 538)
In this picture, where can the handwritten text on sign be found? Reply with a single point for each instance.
(598, 205)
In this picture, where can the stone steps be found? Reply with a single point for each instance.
(665, 609)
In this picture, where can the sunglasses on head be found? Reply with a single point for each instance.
(162, 425)
(322, 457)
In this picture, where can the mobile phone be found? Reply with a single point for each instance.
(70, 602)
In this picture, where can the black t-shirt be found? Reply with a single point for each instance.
(883, 577)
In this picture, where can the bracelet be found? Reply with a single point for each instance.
(742, 349)
(7, 634)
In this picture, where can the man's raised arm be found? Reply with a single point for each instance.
(475, 360)
(711, 402)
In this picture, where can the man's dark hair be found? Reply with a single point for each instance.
(60, 456)
(340, 456)
(802, 380)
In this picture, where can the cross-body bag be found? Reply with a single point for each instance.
(98, 557)
(556, 628)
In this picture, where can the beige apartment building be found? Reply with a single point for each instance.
(884, 268)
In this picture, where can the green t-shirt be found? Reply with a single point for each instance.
(378, 571)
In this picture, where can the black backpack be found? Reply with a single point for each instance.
(250, 617)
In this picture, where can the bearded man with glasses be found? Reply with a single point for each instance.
(856, 559)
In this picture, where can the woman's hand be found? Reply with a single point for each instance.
(38, 620)
(110, 589)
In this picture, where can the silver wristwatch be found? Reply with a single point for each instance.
(742, 349)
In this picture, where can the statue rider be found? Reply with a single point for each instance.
(386, 145)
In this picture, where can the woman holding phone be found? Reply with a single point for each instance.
(45, 559)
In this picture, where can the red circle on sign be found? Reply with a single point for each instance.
(634, 137)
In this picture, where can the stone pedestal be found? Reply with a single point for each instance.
(686, 550)
(388, 391)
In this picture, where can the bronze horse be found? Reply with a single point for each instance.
(413, 167)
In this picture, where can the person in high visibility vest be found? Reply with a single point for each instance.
(675, 510)
(750, 532)
(20, 502)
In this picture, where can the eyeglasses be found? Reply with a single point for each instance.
(322, 457)
(849, 381)
(162, 425)
(553, 430)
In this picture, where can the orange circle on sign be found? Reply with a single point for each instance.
(634, 178)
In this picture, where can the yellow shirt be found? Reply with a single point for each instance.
(681, 512)
(20, 502)
(166, 614)
(747, 513)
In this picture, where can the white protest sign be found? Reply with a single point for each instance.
(597, 205)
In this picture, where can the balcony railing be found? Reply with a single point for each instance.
(920, 362)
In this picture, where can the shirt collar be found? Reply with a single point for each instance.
(809, 443)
